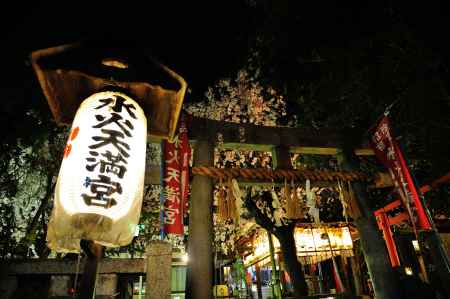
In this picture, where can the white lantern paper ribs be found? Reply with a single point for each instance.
(99, 191)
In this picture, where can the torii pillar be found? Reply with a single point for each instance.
(200, 264)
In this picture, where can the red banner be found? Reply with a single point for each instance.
(176, 181)
(388, 152)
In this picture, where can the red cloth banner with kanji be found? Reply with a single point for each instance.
(176, 181)
(388, 152)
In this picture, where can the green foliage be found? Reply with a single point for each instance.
(29, 166)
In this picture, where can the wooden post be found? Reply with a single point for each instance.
(276, 289)
(281, 159)
(346, 277)
(200, 265)
(385, 281)
(356, 273)
(94, 253)
(438, 260)
(258, 281)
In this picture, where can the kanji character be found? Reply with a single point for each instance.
(102, 188)
(119, 103)
(170, 214)
(172, 174)
(174, 158)
(111, 138)
(172, 194)
(109, 166)
(115, 118)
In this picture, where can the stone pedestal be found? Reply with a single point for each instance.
(59, 286)
(159, 267)
(106, 286)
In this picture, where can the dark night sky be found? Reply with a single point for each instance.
(190, 38)
(202, 42)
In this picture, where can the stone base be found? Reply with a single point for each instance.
(159, 268)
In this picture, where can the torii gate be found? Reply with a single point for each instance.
(281, 141)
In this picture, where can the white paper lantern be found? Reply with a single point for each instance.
(99, 191)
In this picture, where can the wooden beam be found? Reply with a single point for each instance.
(327, 151)
(66, 267)
(260, 138)
(246, 146)
(234, 133)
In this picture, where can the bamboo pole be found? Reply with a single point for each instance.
(276, 289)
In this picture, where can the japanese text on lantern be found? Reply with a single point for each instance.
(109, 151)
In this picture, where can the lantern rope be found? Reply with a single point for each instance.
(75, 283)
(279, 174)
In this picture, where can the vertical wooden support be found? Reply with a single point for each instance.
(89, 279)
(159, 269)
(356, 273)
(344, 263)
(94, 253)
(439, 261)
(258, 281)
(200, 265)
(281, 159)
(385, 281)
(276, 289)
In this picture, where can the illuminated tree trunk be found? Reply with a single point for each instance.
(285, 235)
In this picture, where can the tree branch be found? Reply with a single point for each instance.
(260, 218)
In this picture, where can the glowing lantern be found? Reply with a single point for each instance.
(99, 191)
